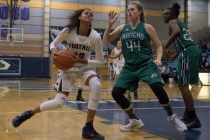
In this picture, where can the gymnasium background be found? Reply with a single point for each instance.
(46, 16)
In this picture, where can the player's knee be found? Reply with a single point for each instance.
(117, 92)
(159, 91)
(56, 103)
(95, 90)
(60, 99)
(93, 104)
(118, 95)
(95, 87)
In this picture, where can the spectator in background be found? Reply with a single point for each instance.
(118, 61)
(204, 63)
(165, 72)
(204, 46)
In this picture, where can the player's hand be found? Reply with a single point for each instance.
(53, 50)
(112, 17)
(81, 61)
(158, 62)
(106, 56)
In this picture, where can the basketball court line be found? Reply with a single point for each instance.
(111, 111)
(58, 111)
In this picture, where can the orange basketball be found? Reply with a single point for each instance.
(64, 59)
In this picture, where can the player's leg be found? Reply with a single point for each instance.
(162, 96)
(190, 118)
(111, 71)
(79, 95)
(93, 82)
(117, 70)
(123, 83)
(55, 103)
(135, 95)
(129, 95)
(152, 76)
(79, 91)
(124, 103)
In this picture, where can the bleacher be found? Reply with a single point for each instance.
(203, 35)
(173, 64)
(208, 53)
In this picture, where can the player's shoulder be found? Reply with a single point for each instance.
(94, 33)
(173, 21)
(94, 36)
(146, 25)
(65, 29)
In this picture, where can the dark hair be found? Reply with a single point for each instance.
(74, 19)
(175, 10)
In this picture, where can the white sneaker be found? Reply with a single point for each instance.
(134, 124)
(180, 126)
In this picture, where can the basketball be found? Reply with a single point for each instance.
(64, 59)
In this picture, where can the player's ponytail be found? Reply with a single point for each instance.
(175, 9)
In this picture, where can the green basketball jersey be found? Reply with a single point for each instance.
(135, 44)
(184, 39)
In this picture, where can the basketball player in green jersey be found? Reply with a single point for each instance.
(139, 63)
(189, 57)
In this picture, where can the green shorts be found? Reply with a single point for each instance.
(188, 65)
(130, 75)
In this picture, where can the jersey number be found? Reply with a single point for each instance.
(132, 45)
(187, 35)
(80, 55)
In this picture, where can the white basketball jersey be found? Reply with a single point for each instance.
(120, 59)
(82, 45)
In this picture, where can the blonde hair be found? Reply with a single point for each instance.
(140, 7)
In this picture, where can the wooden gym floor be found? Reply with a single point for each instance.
(17, 95)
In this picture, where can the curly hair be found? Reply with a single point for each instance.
(74, 19)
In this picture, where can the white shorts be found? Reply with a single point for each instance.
(67, 79)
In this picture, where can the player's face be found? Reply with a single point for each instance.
(167, 15)
(133, 12)
(119, 44)
(86, 16)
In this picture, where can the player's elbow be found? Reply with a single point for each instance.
(101, 63)
(176, 32)
(106, 42)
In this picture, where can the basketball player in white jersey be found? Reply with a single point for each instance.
(117, 63)
(81, 39)
(54, 32)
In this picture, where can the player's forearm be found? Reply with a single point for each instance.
(96, 62)
(53, 50)
(81, 61)
(159, 53)
(106, 36)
